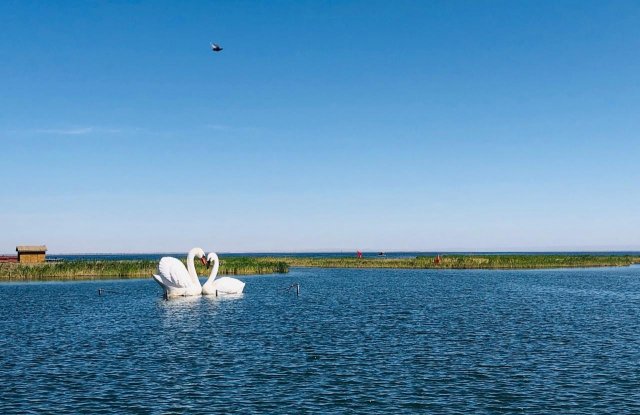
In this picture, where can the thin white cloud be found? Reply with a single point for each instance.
(64, 131)
(76, 130)
(224, 127)
(219, 127)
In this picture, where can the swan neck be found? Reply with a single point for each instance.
(214, 271)
(191, 268)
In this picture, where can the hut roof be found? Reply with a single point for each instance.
(31, 248)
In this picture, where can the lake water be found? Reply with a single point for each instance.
(367, 341)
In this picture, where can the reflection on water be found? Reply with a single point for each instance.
(364, 341)
(178, 311)
(180, 302)
(224, 297)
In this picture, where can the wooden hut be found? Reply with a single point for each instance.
(31, 254)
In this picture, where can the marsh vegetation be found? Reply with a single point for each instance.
(468, 261)
(108, 269)
(81, 270)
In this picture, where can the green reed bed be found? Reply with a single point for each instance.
(250, 265)
(466, 261)
(83, 270)
(528, 261)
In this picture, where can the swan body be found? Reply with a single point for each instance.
(223, 285)
(175, 279)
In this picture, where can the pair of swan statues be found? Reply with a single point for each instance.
(178, 281)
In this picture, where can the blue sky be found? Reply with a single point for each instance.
(454, 125)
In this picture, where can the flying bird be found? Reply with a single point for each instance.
(215, 47)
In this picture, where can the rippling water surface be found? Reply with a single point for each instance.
(552, 341)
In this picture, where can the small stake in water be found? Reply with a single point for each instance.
(292, 286)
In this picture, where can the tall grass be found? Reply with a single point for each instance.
(249, 265)
(507, 261)
(81, 270)
(512, 261)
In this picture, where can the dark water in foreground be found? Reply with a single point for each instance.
(552, 341)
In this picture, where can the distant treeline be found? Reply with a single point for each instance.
(104, 269)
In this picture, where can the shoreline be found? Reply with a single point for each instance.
(132, 269)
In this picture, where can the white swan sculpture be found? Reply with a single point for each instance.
(175, 279)
(223, 285)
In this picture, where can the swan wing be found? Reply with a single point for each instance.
(229, 285)
(173, 273)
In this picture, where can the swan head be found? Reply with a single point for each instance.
(211, 258)
(199, 253)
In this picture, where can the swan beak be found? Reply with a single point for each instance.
(208, 264)
(204, 262)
